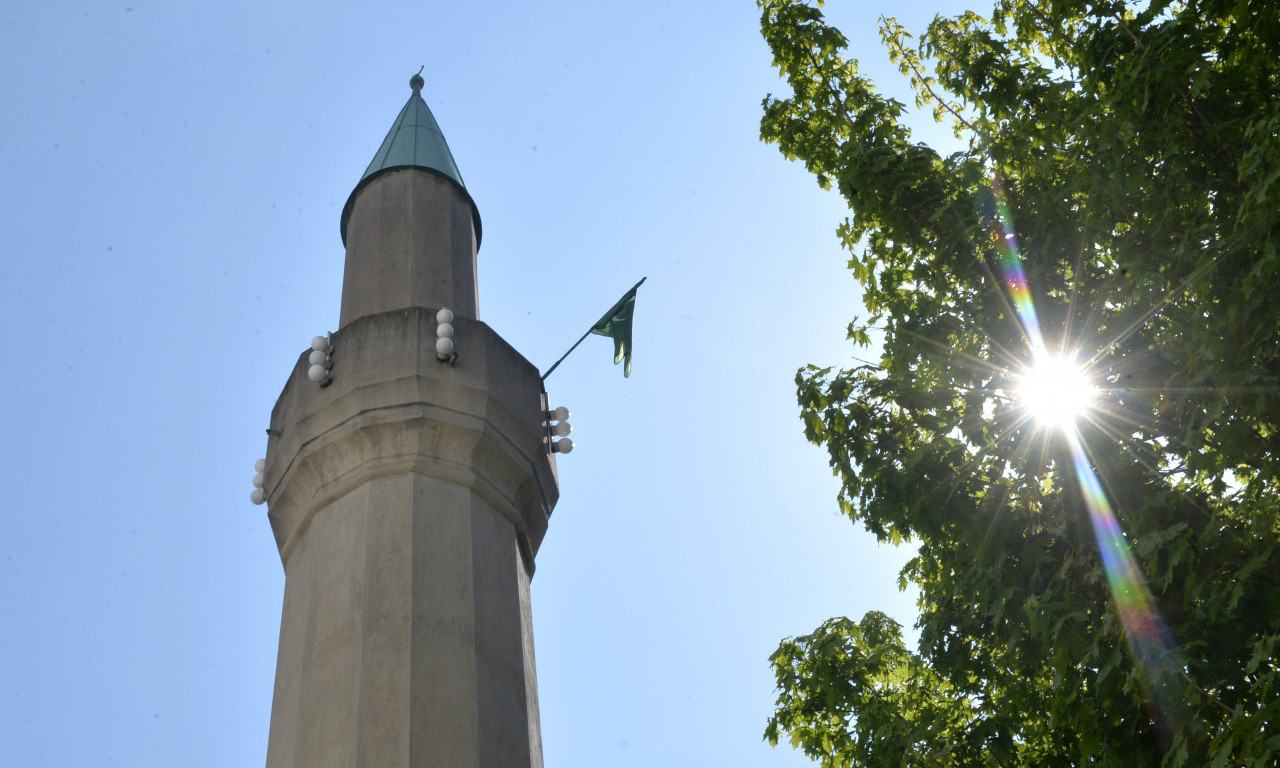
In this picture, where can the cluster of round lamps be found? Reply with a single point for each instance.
(446, 350)
(259, 495)
(321, 361)
(560, 429)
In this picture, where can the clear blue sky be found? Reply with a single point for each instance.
(172, 178)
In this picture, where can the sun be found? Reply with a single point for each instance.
(1056, 391)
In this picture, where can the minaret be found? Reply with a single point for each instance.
(408, 495)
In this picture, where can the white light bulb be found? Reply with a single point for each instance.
(444, 316)
(258, 496)
(561, 429)
(444, 348)
(317, 373)
(260, 465)
(318, 357)
(257, 480)
(320, 343)
(444, 330)
(563, 445)
(559, 414)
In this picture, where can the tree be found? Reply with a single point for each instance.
(1107, 592)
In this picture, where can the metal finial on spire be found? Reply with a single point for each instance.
(416, 82)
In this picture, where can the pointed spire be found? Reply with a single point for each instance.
(414, 141)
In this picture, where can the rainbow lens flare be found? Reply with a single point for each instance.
(1016, 278)
(1150, 641)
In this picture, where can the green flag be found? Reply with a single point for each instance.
(616, 324)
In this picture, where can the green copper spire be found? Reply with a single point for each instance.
(414, 141)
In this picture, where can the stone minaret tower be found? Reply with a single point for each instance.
(408, 496)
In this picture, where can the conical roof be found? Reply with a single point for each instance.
(414, 141)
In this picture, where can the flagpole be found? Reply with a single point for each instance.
(592, 328)
(566, 354)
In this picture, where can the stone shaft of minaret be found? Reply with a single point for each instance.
(408, 497)
(410, 243)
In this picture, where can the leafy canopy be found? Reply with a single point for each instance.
(1129, 158)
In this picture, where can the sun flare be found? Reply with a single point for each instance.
(1056, 391)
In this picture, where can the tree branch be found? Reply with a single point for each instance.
(924, 83)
